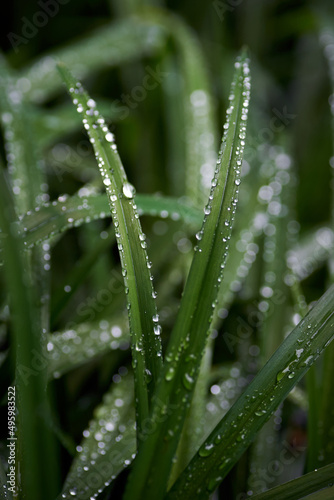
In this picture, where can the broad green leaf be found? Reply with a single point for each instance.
(302, 486)
(108, 445)
(187, 342)
(144, 320)
(81, 343)
(232, 436)
(112, 45)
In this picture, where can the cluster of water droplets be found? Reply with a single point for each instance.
(42, 222)
(118, 189)
(108, 444)
(242, 82)
(75, 346)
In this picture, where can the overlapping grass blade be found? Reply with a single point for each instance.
(108, 446)
(237, 429)
(53, 218)
(109, 46)
(302, 486)
(144, 320)
(152, 466)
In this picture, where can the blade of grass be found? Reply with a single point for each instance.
(185, 349)
(28, 186)
(144, 326)
(302, 486)
(323, 448)
(36, 477)
(268, 389)
(111, 45)
(53, 218)
(108, 446)
(75, 346)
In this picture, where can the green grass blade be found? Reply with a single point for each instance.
(152, 466)
(302, 486)
(326, 413)
(36, 477)
(269, 388)
(75, 346)
(111, 45)
(54, 124)
(108, 446)
(144, 326)
(53, 218)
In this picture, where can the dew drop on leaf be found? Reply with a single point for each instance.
(128, 190)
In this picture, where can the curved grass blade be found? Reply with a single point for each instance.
(109, 46)
(108, 446)
(269, 388)
(66, 212)
(152, 466)
(75, 346)
(302, 486)
(144, 326)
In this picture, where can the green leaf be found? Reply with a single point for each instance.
(187, 342)
(302, 486)
(108, 445)
(144, 320)
(232, 436)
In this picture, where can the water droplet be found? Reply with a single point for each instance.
(107, 181)
(170, 374)
(188, 381)
(206, 450)
(128, 190)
